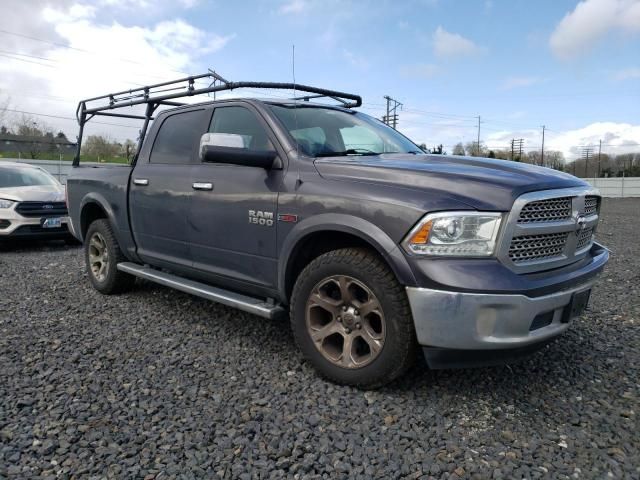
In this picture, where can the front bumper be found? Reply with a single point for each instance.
(30, 227)
(475, 321)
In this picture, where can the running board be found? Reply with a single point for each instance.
(237, 300)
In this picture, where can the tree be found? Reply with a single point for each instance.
(458, 149)
(128, 149)
(100, 147)
(475, 150)
(438, 150)
(38, 136)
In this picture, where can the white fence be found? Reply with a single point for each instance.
(617, 186)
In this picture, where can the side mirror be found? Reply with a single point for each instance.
(229, 148)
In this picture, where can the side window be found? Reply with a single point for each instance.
(179, 137)
(357, 137)
(241, 121)
(312, 140)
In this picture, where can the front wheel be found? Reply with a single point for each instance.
(102, 255)
(351, 319)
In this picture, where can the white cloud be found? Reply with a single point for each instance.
(627, 74)
(516, 82)
(447, 44)
(99, 58)
(293, 7)
(591, 20)
(420, 71)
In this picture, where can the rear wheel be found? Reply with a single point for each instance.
(102, 255)
(351, 319)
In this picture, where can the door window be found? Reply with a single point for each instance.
(179, 137)
(241, 121)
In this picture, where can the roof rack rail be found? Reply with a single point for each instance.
(165, 93)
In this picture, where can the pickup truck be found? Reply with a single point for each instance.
(375, 249)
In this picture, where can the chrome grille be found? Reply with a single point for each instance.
(537, 247)
(549, 210)
(590, 205)
(584, 238)
(549, 229)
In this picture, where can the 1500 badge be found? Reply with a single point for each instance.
(258, 217)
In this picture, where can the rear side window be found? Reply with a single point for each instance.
(178, 139)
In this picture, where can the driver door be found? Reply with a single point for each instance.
(232, 220)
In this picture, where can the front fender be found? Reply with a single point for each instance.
(366, 231)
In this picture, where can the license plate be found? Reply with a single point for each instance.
(53, 222)
(577, 305)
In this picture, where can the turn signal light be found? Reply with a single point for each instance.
(422, 235)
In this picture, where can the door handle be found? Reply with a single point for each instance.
(141, 181)
(202, 186)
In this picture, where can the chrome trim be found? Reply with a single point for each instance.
(482, 321)
(449, 213)
(252, 305)
(141, 181)
(569, 255)
(202, 186)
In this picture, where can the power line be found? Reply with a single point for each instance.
(391, 118)
(67, 118)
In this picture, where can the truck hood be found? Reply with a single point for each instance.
(35, 193)
(481, 183)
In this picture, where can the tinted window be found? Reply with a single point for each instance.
(179, 137)
(241, 121)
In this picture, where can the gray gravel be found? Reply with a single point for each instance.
(158, 384)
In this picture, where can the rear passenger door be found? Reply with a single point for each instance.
(161, 190)
(233, 222)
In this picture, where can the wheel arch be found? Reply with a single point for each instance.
(94, 207)
(327, 232)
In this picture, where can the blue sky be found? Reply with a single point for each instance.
(572, 66)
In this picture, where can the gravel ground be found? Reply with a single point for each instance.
(158, 384)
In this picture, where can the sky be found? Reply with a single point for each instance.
(571, 66)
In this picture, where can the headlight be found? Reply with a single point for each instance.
(459, 234)
(6, 203)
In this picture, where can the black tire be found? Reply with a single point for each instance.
(365, 268)
(111, 280)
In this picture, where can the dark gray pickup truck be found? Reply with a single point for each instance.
(376, 249)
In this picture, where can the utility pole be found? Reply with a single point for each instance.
(516, 146)
(391, 118)
(478, 152)
(542, 152)
(586, 153)
(599, 153)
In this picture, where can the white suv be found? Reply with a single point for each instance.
(32, 203)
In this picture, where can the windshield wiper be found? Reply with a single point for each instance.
(350, 151)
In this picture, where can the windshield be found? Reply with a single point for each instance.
(24, 177)
(324, 132)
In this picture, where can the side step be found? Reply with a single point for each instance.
(237, 300)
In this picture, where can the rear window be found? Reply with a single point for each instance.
(178, 139)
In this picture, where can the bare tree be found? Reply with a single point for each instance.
(37, 135)
(100, 146)
(458, 149)
(4, 105)
(129, 149)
